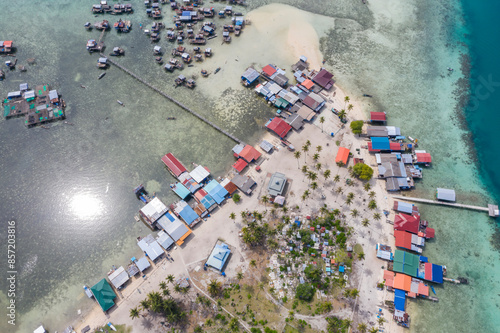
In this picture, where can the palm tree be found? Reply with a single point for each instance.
(177, 288)
(305, 149)
(336, 178)
(350, 195)
(170, 278)
(376, 216)
(339, 190)
(327, 174)
(312, 176)
(354, 293)
(319, 148)
(371, 194)
(342, 114)
(367, 187)
(285, 209)
(346, 100)
(362, 328)
(361, 255)
(321, 121)
(308, 143)
(381, 320)
(253, 263)
(166, 292)
(354, 212)
(265, 200)
(306, 193)
(316, 157)
(304, 169)
(349, 107)
(163, 285)
(348, 201)
(336, 212)
(372, 204)
(373, 330)
(318, 166)
(145, 304)
(134, 313)
(232, 216)
(297, 156)
(314, 185)
(214, 287)
(365, 222)
(239, 276)
(243, 214)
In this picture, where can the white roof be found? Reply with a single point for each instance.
(224, 182)
(40, 330)
(154, 209)
(446, 194)
(142, 263)
(199, 174)
(118, 277)
(149, 245)
(164, 239)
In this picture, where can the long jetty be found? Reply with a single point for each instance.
(492, 210)
(179, 104)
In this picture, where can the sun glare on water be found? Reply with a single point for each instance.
(86, 206)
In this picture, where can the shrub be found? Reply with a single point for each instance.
(363, 171)
(356, 126)
(305, 292)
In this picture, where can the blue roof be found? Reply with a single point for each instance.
(399, 299)
(250, 75)
(219, 256)
(181, 190)
(216, 191)
(188, 215)
(381, 143)
(341, 269)
(170, 217)
(437, 273)
(423, 259)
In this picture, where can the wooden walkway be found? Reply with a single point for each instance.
(490, 209)
(232, 137)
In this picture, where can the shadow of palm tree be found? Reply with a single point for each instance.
(147, 323)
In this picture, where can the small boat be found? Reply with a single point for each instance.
(88, 26)
(88, 292)
(159, 60)
(433, 290)
(171, 118)
(120, 102)
(101, 75)
(217, 70)
(68, 123)
(366, 95)
(450, 69)
(204, 73)
(45, 127)
(111, 326)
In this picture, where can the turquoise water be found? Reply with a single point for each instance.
(398, 52)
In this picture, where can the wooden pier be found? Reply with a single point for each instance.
(492, 210)
(232, 137)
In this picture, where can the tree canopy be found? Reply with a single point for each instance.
(305, 292)
(363, 171)
(356, 126)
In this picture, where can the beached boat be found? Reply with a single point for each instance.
(176, 63)
(208, 52)
(154, 37)
(157, 50)
(186, 57)
(198, 57)
(101, 75)
(204, 73)
(171, 36)
(217, 70)
(159, 60)
(196, 50)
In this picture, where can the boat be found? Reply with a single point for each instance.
(433, 290)
(103, 25)
(117, 51)
(450, 69)
(208, 52)
(159, 60)
(204, 73)
(88, 26)
(191, 83)
(120, 102)
(366, 95)
(171, 118)
(111, 326)
(2, 75)
(180, 80)
(217, 70)
(101, 75)
(88, 292)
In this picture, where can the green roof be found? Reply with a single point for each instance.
(104, 294)
(406, 263)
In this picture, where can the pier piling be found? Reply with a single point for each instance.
(179, 104)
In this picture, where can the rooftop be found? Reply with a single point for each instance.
(276, 184)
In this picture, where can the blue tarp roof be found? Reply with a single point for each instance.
(380, 143)
(216, 191)
(188, 215)
(219, 256)
(399, 299)
(181, 190)
(437, 273)
(207, 201)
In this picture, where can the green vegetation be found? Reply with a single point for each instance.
(337, 325)
(356, 126)
(305, 292)
(236, 198)
(363, 171)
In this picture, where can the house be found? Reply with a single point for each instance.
(342, 156)
(5, 46)
(324, 79)
(417, 266)
(445, 194)
(240, 165)
(306, 113)
(269, 70)
(219, 256)
(216, 191)
(118, 277)
(377, 131)
(180, 190)
(314, 101)
(278, 126)
(308, 84)
(153, 210)
(189, 182)
(276, 184)
(188, 214)
(250, 76)
(174, 166)
(266, 146)
(409, 241)
(177, 230)
(392, 169)
(301, 65)
(244, 183)
(104, 294)
(379, 144)
(296, 121)
(413, 224)
(150, 246)
(423, 158)
(199, 174)
(246, 152)
(164, 240)
(280, 79)
(405, 207)
(384, 252)
(228, 185)
(378, 117)
(142, 263)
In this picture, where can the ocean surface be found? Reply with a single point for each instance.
(69, 188)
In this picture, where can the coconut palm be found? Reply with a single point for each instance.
(304, 169)
(336, 178)
(372, 204)
(361, 255)
(348, 201)
(376, 216)
(232, 216)
(381, 320)
(243, 214)
(367, 187)
(349, 107)
(322, 121)
(177, 288)
(318, 166)
(166, 292)
(314, 185)
(346, 99)
(163, 285)
(170, 278)
(312, 175)
(316, 157)
(339, 190)
(134, 313)
(265, 200)
(214, 287)
(145, 304)
(362, 328)
(308, 143)
(253, 263)
(354, 212)
(365, 222)
(296, 154)
(373, 330)
(372, 194)
(354, 293)
(327, 174)
(336, 212)
(342, 114)
(305, 149)
(350, 195)
(239, 275)
(284, 209)
(319, 149)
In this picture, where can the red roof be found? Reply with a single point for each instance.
(378, 116)
(240, 164)
(308, 84)
(173, 164)
(200, 194)
(424, 158)
(279, 126)
(403, 239)
(342, 155)
(429, 232)
(428, 271)
(230, 187)
(269, 70)
(250, 154)
(395, 146)
(324, 79)
(7, 43)
(407, 222)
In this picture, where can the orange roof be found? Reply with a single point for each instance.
(389, 278)
(308, 84)
(423, 289)
(249, 153)
(402, 281)
(230, 187)
(7, 43)
(180, 241)
(342, 155)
